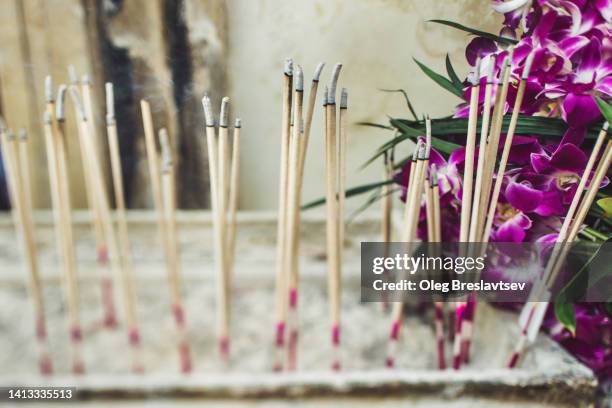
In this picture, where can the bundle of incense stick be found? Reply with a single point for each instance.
(533, 312)
(298, 145)
(124, 242)
(60, 199)
(223, 172)
(102, 257)
(167, 238)
(412, 207)
(15, 166)
(335, 157)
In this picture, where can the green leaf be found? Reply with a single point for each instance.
(351, 192)
(375, 125)
(373, 198)
(496, 38)
(440, 80)
(606, 205)
(410, 107)
(452, 74)
(605, 108)
(566, 314)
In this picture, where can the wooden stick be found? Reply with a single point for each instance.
(21, 211)
(124, 241)
(470, 149)
(333, 261)
(387, 210)
(223, 318)
(60, 215)
(281, 279)
(169, 205)
(233, 196)
(290, 257)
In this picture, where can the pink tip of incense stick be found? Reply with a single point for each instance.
(280, 334)
(134, 336)
(102, 255)
(292, 349)
(513, 360)
(41, 329)
(336, 366)
(390, 362)
(441, 358)
(45, 365)
(395, 328)
(185, 357)
(439, 312)
(457, 361)
(465, 350)
(293, 297)
(335, 335)
(76, 335)
(224, 347)
(78, 367)
(179, 315)
(110, 319)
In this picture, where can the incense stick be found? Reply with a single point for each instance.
(333, 251)
(223, 319)
(169, 206)
(281, 279)
(21, 211)
(290, 257)
(233, 196)
(122, 224)
(437, 238)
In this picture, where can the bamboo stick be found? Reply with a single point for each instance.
(21, 211)
(233, 196)
(223, 318)
(437, 238)
(333, 261)
(123, 236)
(281, 278)
(168, 188)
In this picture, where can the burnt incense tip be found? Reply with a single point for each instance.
(299, 78)
(415, 152)
(110, 100)
(72, 75)
(48, 89)
(77, 104)
(288, 67)
(331, 96)
(606, 125)
(325, 95)
(23, 134)
(318, 70)
(86, 80)
(343, 99)
(224, 116)
(60, 106)
(238, 123)
(428, 135)
(10, 135)
(208, 111)
(422, 155)
(527, 67)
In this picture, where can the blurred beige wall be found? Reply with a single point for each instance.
(374, 39)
